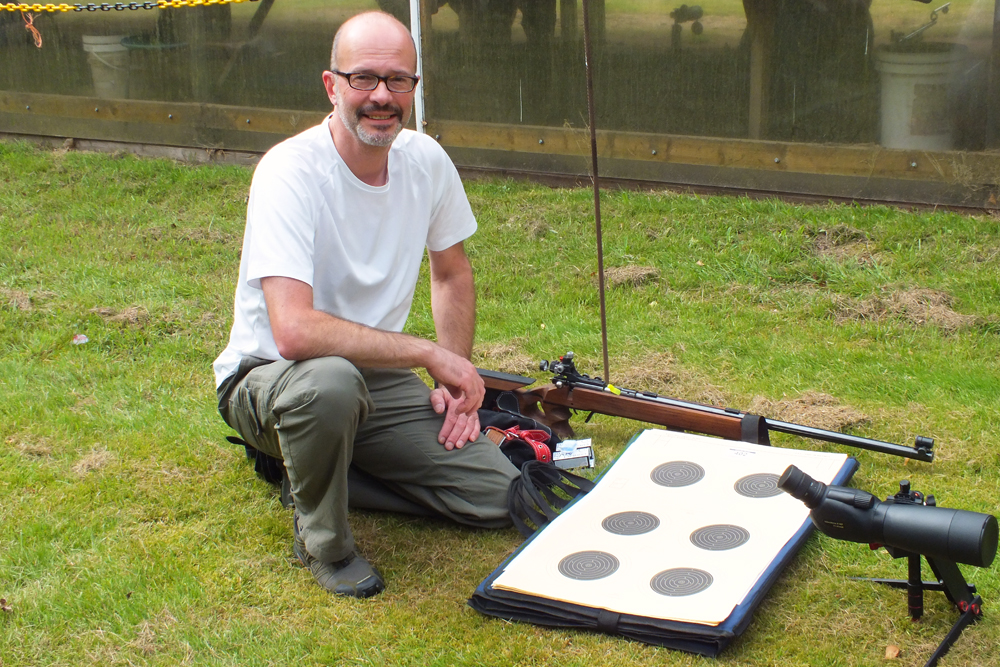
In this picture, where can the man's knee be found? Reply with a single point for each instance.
(326, 388)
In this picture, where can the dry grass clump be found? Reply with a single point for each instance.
(147, 639)
(536, 229)
(20, 300)
(95, 460)
(812, 408)
(505, 358)
(134, 315)
(631, 276)
(36, 450)
(920, 307)
(16, 299)
(83, 405)
(841, 242)
(708, 394)
(839, 235)
(655, 372)
(658, 372)
(532, 226)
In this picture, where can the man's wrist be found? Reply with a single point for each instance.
(429, 354)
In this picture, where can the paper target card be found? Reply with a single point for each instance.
(680, 528)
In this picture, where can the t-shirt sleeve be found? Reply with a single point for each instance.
(452, 219)
(280, 224)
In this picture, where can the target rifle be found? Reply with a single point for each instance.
(570, 390)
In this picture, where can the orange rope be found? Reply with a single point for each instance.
(29, 24)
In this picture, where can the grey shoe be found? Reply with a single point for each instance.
(353, 576)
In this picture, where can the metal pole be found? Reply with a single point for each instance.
(418, 99)
(597, 187)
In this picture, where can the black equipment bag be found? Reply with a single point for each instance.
(522, 438)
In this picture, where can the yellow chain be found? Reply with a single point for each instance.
(63, 7)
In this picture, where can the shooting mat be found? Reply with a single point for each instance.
(683, 533)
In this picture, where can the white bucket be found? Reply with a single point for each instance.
(916, 95)
(108, 65)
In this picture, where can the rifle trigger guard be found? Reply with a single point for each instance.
(753, 429)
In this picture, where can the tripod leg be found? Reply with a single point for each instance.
(915, 588)
(970, 615)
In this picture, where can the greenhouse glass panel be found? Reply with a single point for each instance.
(791, 70)
(264, 53)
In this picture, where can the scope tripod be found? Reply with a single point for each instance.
(949, 581)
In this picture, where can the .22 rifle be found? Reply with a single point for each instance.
(571, 390)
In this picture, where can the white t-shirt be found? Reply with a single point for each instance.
(359, 247)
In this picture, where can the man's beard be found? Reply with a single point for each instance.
(352, 121)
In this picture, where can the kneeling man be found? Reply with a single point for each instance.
(317, 372)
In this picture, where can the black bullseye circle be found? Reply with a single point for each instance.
(588, 565)
(630, 523)
(720, 537)
(680, 581)
(677, 473)
(760, 485)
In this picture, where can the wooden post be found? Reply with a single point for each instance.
(760, 25)
(759, 89)
(598, 22)
(567, 20)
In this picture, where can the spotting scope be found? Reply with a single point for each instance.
(901, 527)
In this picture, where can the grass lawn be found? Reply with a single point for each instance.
(132, 533)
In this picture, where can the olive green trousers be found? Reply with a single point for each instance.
(331, 422)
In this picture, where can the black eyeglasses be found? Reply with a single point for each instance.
(396, 83)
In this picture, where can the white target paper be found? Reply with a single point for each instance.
(681, 527)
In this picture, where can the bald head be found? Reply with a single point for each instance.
(370, 30)
(377, 45)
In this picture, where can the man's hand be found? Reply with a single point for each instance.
(459, 377)
(458, 398)
(459, 427)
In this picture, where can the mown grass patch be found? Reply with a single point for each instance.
(132, 533)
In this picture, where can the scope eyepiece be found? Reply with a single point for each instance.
(801, 486)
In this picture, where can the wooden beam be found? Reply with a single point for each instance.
(866, 160)
(168, 114)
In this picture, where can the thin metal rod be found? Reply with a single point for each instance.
(416, 30)
(588, 59)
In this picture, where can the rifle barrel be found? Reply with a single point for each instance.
(918, 453)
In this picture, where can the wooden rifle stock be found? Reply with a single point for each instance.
(551, 397)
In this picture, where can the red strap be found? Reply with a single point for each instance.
(536, 439)
(528, 434)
